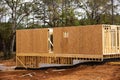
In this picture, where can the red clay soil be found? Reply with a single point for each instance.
(81, 72)
(10, 62)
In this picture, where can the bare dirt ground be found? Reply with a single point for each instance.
(82, 72)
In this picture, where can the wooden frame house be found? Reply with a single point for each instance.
(62, 45)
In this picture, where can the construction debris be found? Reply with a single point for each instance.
(58, 70)
(46, 72)
(114, 63)
(29, 74)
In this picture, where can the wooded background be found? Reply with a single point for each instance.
(21, 14)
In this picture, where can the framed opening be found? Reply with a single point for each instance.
(65, 34)
(113, 38)
(50, 40)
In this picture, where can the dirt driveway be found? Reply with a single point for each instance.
(82, 72)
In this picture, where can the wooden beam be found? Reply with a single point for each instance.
(21, 62)
(60, 55)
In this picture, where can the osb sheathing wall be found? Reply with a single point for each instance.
(58, 40)
(91, 39)
(32, 41)
(66, 43)
(73, 40)
(79, 40)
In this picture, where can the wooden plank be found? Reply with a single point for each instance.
(57, 40)
(79, 40)
(32, 41)
(91, 40)
(24, 41)
(119, 39)
(40, 40)
(114, 63)
(108, 56)
(18, 40)
(103, 39)
(73, 43)
(116, 48)
(66, 40)
(61, 55)
(21, 62)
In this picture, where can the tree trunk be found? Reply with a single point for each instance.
(11, 45)
(112, 18)
(5, 51)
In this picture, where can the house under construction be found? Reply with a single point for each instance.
(63, 45)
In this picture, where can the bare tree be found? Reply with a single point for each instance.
(18, 11)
